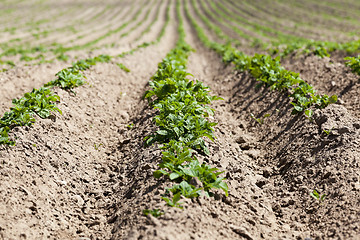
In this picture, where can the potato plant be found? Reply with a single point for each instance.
(182, 111)
(40, 102)
(72, 77)
(353, 63)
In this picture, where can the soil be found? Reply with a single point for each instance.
(85, 174)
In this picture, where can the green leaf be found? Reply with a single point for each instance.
(298, 108)
(224, 187)
(176, 198)
(174, 175)
(308, 113)
(162, 132)
(322, 197)
(333, 99)
(159, 173)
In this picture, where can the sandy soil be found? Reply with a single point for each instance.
(86, 174)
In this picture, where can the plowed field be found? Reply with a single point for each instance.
(85, 171)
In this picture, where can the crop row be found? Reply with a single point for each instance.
(182, 107)
(42, 102)
(267, 70)
(220, 13)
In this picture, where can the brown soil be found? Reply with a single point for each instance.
(85, 174)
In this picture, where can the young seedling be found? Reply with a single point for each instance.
(353, 63)
(97, 146)
(308, 114)
(317, 196)
(260, 120)
(123, 67)
(155, 212)
(327, 131)
(174, 201)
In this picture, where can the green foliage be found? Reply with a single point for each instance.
(71, 77)
(182, 110)
(260, 120)
(67, 79)
(317, 196)
(327, 132)
(269, 72)
(97, 146)
(39, 102)
(155, 212)
(62, 57)
(26, 53)
(123, 67)
(353, 63)
(174, 201)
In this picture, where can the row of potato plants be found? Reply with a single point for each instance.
(182, 106)
(41, 102)
(268, 71)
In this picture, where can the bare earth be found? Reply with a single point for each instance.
(86, 174)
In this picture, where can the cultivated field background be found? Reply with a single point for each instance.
(86, 174)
